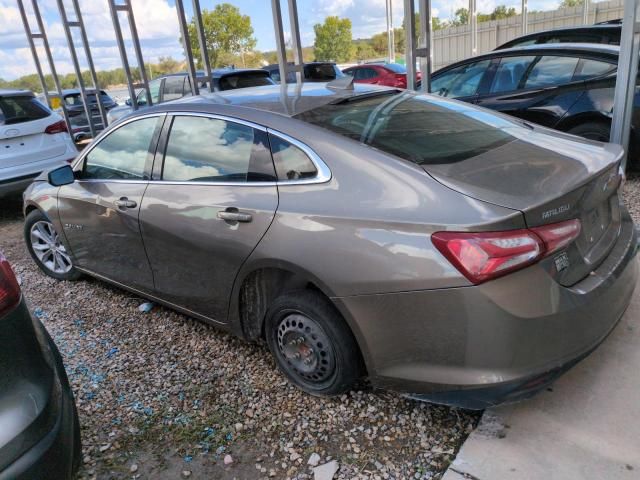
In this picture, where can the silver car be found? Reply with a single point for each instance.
(426, 245)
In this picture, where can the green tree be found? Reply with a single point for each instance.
(167, 65)
(333, 40)
(227, 33)
(461, 17)
(364, 51)
(571, 3)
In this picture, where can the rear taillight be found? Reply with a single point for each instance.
(9, 288)
(558, 235)
(482, 256)
(58, 127)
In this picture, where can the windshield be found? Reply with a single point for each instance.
(18, 109)
(419, 128)
(76, 98)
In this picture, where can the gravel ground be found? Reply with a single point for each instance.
(161, 395)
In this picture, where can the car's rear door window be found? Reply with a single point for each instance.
(173, 88)
(204, 149)
(510, 73)
(550, 71)
(290, 161)
(123, 153)
(21, 108)
(461, 81)
(589, 68)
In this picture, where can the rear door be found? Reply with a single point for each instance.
(99, 211)
(212, 198)
(23, 140)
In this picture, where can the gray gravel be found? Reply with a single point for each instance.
(163, 396)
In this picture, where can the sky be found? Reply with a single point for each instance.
(158, 29)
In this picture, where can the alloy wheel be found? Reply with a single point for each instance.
(47, 247)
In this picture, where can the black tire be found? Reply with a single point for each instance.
(592, 130)
(36, 217)
(335, 364)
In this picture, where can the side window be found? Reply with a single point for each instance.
(509, 73)
(593, 68)
(461, 81)
(275, 75)
(551, 71)
(173, 88)
(154, 89)
(291, 162)
(122, 154)
(213, 150)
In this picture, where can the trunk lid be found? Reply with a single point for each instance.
(550, 177)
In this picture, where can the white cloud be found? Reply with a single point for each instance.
(156, 22)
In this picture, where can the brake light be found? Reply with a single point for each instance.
(483, 256)
(58, 127)
(558, 235)
(9, 288)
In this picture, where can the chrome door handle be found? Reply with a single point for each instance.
(234, 216)
(124, 202)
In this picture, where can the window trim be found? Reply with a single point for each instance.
(323, 172)
(79, 161)
(323, 176)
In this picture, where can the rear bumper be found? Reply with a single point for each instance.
(499, 341)
(54, 435)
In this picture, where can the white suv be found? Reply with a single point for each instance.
(32, 139)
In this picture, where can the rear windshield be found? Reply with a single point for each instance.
(76, 98)
(244, 80)
(322, 72)
(395, 67)
(422, 129)
(18, 109)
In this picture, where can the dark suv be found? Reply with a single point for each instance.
(313, 72)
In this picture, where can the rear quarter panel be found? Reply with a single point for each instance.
(368, 229)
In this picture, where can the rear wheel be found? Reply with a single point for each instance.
(46, 248)
(592, 130)
(312, 344)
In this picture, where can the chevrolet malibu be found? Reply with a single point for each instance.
(424, 244)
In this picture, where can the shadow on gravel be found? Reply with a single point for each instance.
(10, 208)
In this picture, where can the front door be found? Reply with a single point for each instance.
(202, 217)
(99, 211)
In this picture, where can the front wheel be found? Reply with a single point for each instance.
(312, 344)
(46, 249)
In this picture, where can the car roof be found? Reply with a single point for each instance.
(216, 73)
(270, 98)
(8, 92)
(543, 48)
(578, 47)
(275, 65)
(598, 27)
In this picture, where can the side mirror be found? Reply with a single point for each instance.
(128, 101)
(61, 176)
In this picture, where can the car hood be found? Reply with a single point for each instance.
(537, 169)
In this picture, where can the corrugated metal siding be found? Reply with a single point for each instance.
(454, 43)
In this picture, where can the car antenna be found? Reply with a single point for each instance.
(343, 83)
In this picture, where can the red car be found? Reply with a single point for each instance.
(389, 74)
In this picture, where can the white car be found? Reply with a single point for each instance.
(32, 139)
